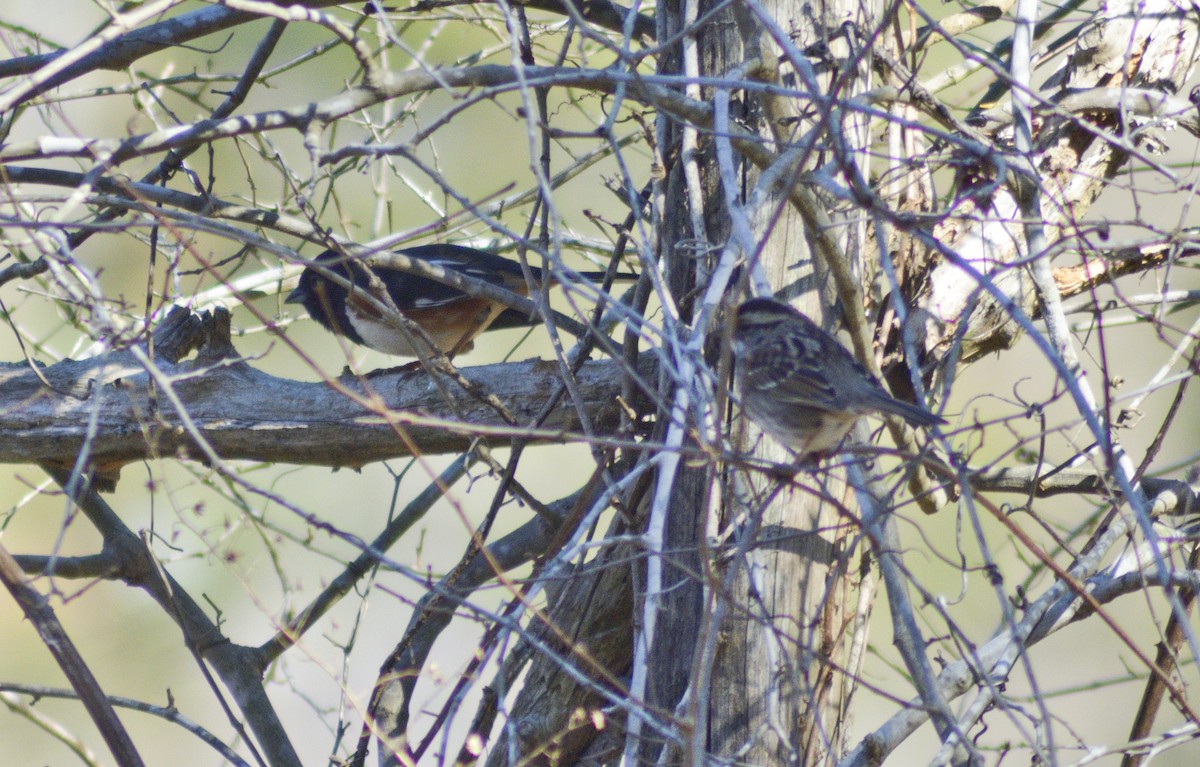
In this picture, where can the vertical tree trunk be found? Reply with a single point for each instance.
(771, 609)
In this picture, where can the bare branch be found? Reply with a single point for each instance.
(243, 413)
(40, 614)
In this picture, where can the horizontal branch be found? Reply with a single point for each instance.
(122, 51)
(656, 91)
(118, 410)
(1143, 102)
(1105, 267)
(1169, 496)
(169, 714)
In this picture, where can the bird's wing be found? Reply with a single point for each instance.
(411, 291)
(791, 378)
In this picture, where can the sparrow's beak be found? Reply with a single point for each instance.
(296, 296)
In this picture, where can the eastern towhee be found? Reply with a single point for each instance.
(450, 317)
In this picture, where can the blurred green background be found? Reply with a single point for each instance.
(256, 562)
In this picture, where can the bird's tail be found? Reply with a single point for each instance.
(917, 416)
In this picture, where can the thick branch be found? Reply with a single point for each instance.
(115, 410)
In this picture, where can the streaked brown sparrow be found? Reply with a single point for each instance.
(800, 385)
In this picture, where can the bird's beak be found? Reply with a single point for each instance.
(295, 297)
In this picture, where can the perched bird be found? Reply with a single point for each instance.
(800, 385)
(450, 317)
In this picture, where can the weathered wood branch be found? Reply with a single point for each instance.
(115, 408)
(1151, 47)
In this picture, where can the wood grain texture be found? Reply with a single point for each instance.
(118, 409)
